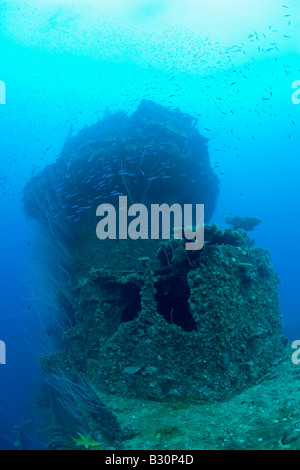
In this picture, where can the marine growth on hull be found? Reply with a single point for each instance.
(146, 319)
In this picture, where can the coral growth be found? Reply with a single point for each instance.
(245, 223)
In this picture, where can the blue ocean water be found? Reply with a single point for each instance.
(65, 62)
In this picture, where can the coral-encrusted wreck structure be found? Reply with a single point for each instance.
(148, 319)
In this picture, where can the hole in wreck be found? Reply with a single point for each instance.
(132, 300)
(172, 302)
